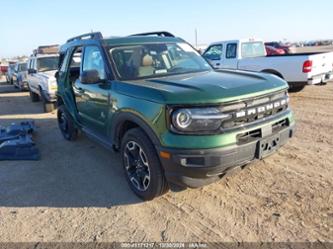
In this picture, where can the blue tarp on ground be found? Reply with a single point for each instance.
(16, 142)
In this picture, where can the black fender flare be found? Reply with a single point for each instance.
(118, 121)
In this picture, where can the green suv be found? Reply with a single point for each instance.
(173, 118)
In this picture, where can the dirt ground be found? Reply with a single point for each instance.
(77, 192)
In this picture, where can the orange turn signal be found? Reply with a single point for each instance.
(165, 154)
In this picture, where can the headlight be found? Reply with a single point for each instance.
(52, 84)
(198, 119)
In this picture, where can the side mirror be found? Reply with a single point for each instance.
(89, 77)
(56, 75)
(31, 71)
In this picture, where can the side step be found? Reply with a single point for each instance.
(99, 139)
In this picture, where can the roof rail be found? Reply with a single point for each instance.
(93, 35)
(158, 33)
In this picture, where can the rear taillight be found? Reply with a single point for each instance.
(307, 66)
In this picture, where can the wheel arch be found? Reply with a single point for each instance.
(123, 122)
(274, 72)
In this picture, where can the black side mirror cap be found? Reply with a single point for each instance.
(56, 75)
(31, 71)
(89, 77)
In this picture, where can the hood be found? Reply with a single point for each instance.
(48, 74)
(204, 87)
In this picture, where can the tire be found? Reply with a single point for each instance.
(20, 86)
(66, 124)
(296, 88)
(142, 166)
(33, 96)
(16, 84)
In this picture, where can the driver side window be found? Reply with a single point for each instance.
(214, 52)
(93, 60)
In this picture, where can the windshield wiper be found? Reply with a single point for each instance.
(177, 69)
(47, 69)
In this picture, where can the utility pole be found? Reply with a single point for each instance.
(196, 38)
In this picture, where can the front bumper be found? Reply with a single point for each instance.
(49, 96)
(198, 167)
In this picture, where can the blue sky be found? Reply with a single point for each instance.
(27, 24)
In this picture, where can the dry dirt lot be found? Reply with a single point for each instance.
(77, 192)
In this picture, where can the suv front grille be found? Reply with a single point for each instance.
(248, 111)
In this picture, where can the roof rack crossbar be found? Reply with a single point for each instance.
(158, 33)
(93, 35)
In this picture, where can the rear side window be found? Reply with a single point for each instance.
(231, 51)
(22, 67)
(214, 52)
(253, 49)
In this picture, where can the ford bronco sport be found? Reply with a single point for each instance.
(174, 119)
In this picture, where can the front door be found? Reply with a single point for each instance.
(92, 99)
(214, 55)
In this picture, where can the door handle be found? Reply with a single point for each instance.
(79, 90)
(218, 64)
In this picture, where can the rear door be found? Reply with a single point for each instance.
(92, 99)
(231, 61)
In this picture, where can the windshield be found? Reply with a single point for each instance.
(253, 49)
(47, 63)
(156, 60)
(22, 67)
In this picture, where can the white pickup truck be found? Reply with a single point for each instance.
(250, 54)
(42, 66)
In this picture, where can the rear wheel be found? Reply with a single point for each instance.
(142, 166)
(66, 124)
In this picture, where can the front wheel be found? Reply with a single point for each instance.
(142, 166)
(33, 96)
(66, 124)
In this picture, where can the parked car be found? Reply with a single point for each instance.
(10, 72)
(279, 45)
(173, 118)
(273, 51)
(20, 76)
(3, 69)
(42, 66)
(250, 54)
